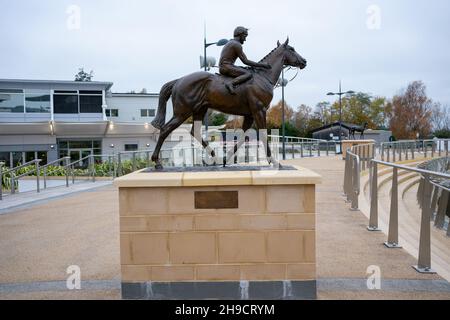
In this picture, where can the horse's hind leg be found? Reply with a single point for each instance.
(196, 132)
(167, 129)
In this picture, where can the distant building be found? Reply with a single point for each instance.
(331, 132)
(49, 119)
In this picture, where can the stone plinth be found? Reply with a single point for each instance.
(346, 144)
(234, 234)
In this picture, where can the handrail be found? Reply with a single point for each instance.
(14, 178)
(22, 166)
(56, 161)
(417, 170)
(77, 161)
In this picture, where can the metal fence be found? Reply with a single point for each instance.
(352, 176)
(407, 149)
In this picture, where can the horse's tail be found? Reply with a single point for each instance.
(164, 96)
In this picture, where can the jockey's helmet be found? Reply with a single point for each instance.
(240, 30)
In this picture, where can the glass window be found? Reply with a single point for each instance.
(18, 158)
(112, 112)
(97, 144)
(4, 157)
(80, 144)
(65, 103)
(91, 104)
(147, 112)
(37, 101)
(131, 147)
(91, 92)
(30, 156)
(63, 144)
(43, 156)
(11, 102)
(63, 153)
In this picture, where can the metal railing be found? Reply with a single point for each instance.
(14, 178)
(407, 149)
(45, 169)
(352, 178)
(249, 152)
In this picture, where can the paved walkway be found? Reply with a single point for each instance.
(39, 242)
(26, 199)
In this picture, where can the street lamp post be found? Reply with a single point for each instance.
(219, 43)
(340, 94)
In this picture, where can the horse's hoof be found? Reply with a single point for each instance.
(158, 166)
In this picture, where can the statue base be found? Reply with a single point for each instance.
(218, 233)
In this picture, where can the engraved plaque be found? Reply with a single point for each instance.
(216, 200)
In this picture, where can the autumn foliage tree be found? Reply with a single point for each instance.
(274, 115)
(411, 112)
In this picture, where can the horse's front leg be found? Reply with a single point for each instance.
(261, 123)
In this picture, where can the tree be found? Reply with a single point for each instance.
(411, 112)
(323, 112)
(143, 91)
(83, 76)
(301, 120)
(274, 115)
(217, 118)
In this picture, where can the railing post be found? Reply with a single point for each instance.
(400, 149)
(67, 171)
(38, 187)
(406, 152)
(13, 182)
(424, 261)
(346, 177)
(134, 161)
(446, 149)
(1, 181)
(45, 178)
(434, 200)
(425, 147)
(318, 149)
(310, 149)
(110, 173)
(149, 160)
(382, 152)
(355, 183)
(293, 150)
(433, 148)
(301, 149)
(373, 221)
(92, 167)
(328, 147)
(394, 150)
(439, 147)
(442, 209)
(389, 154)
(119, 164)
(393, 216)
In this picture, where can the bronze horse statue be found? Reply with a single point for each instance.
(194, 94)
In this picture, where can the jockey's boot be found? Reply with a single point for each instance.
(230, 87)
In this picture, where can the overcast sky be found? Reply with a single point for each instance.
(376, 46)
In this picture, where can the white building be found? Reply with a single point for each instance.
(52, 119)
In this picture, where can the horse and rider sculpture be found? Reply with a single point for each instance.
(237, 90)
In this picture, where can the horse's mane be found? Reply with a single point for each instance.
(268, 55)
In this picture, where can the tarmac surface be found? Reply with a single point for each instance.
(40, 241)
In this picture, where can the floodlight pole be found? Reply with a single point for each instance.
(340, 94)
(206, 45)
